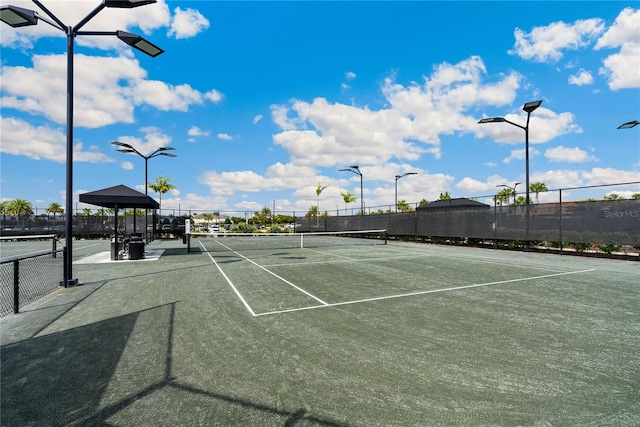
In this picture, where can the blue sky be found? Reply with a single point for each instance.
(264, 100)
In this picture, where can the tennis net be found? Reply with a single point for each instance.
(267, 241)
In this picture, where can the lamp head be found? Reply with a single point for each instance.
(355, 167)
(139, 43)
(629, 125)
(127, 4)
(491, 120)
(121, 144)
(18, 17)
(530, 106)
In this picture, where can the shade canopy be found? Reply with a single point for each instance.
(119, 196)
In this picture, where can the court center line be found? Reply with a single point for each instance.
(433, 291)
(273, 274)
(247, 306)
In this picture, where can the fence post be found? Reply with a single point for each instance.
(16, 286)
(54, 247)
(65, 260)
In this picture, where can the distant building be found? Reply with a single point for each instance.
(452, 204)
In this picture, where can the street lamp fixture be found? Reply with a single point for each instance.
(18, 17)
(529, 108)
(397, 178)
(629, 125)
(356, 169)
(162, 151)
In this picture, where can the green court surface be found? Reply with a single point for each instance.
(353, 334)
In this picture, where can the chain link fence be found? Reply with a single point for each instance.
(25, 279)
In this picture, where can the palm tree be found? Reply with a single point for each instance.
(54, 208)
(403, 206)
(20, 207)
(264, 214)
(4, 210)
(503, 196)
(538, 187)
(161, 186)
(348, 198)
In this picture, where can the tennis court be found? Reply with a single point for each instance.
(339, 332)
(273, 275)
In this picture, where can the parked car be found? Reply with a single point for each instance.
(214, 229)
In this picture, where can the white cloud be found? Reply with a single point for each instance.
(126, 165)
(622, 68)
(187, 23)
(600, 176)
(225, 136)
(43, 142)
(582, 78)
(100, 99)
(570, 155)
(350, 75)
(470, 185)
(544, 44)
(257, 118)
(214, 96)
(279, 115)
(544, 126)
(196, 131)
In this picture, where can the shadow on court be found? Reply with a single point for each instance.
(71, 377)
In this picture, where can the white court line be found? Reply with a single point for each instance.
(456, 288)
(270, 272)
(228, 281)
(334, 255)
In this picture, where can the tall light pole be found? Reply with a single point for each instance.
(397, 178)
(319, 191)
(356, 169)
(18, 17)
(529, 107)
(162, 151)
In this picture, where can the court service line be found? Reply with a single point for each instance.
(273, 274)
(229, 281)
(433, 291)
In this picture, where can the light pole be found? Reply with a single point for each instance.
(529, 107)
(397, 178)
(19, 17)
(162, 151)
(629, 125)
(356, 169)
(514, 191)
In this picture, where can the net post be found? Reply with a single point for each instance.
(54, 247)
(386, 237)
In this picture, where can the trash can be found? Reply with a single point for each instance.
(136, 247)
